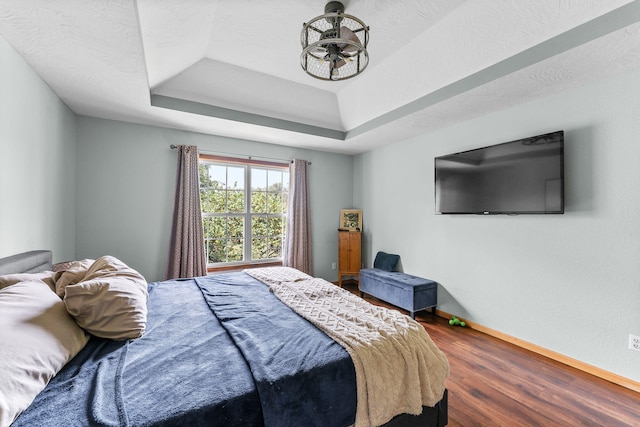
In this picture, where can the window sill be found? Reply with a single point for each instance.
(234, 267)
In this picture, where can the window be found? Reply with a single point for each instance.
(244, 205)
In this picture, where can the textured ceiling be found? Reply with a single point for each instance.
(231, 68)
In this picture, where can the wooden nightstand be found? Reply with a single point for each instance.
(349, 254)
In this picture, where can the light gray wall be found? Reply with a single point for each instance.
(126, 183)
(565, 282)
(37, 162)
(569, 283)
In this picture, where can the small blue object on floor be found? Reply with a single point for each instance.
(403, 290)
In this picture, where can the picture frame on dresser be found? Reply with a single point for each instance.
(351, 219)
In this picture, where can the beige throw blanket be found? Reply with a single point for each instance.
(398, 367)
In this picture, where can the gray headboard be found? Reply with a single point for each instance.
(26, 262)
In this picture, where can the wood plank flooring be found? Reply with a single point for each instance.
(495, 383)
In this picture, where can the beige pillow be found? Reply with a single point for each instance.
(12, 279)
(37, 338)
(73, 273)
(111, 300)
(63, 266)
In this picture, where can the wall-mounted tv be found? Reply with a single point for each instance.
(525, 176)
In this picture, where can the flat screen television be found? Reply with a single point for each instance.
(525, 176)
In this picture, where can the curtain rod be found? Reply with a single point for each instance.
(173, 147)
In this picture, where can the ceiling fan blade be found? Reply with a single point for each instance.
(349, 55)
(346, 33)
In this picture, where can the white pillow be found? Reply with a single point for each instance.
(37, 338)
(110, 301)
(11, 279)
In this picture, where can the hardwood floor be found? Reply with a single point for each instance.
(495, 383)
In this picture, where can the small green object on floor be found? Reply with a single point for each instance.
(456, 322)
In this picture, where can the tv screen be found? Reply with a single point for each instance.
(525, 176)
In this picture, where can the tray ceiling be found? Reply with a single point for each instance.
(231, 68)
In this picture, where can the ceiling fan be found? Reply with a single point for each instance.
(334, 45)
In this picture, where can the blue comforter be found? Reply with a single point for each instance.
(218, 351)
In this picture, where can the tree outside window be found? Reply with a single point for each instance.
(243, 211)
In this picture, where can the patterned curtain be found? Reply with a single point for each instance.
(297, 245)
(186, 248)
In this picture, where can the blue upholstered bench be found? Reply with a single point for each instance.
(400, 289)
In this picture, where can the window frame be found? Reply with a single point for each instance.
(247, 215)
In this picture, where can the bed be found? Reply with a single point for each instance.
(222, 350)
